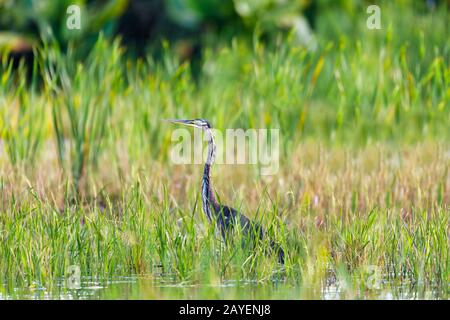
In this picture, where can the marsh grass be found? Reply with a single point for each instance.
(80, 110)
(39, 243)
(156, 230)
(22, 118)
(363, 175)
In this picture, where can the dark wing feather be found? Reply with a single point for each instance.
(227, 217)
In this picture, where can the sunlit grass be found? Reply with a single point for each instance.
(86, 180)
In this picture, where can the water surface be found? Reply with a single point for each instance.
(143, 287)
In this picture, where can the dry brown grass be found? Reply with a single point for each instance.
(315, 178)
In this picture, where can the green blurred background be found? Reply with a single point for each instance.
(192, 24)
(143, 23)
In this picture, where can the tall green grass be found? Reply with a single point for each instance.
(100, 119)
(145, 236)
(349, 91)
(83, 96)
(22, 114)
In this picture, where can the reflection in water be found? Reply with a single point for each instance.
(149, 287)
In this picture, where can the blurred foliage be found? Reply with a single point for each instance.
(29, 20)
(266, 14)
(194, 24)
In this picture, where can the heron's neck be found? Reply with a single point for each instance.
(208, 198)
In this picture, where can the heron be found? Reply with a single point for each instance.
(224, 216)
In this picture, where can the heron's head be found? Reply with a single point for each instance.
(197, 123)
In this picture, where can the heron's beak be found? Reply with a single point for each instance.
(185, 122)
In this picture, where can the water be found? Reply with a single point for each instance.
(158, 288)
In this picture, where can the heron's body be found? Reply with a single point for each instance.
(225, 217)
